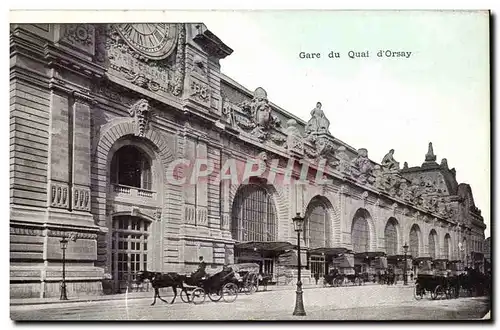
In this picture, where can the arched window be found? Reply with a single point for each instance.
(414, 241)
(317, 233)
(129, 247)
(131, 167)
(391, 237)
(253, 215)
(447, 246)
(360, 234)
(432, 244)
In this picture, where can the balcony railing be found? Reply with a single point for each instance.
(123, 190)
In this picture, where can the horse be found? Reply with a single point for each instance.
(162, 280)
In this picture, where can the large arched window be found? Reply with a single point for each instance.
(414, 241)
(447, 246)
(360, 233)
(391, 237)
(131, 167)
(317, 229)
(253, 215)
(129, 247)
(432, 244)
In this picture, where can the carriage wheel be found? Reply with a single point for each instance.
(229, 292)
(215, 296)
(438, 292)
(185, 296)
(198, 296)
(451, 293)
(418, 292)
(252, 288)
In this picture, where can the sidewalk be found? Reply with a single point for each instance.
(150, 295)
(131, 295)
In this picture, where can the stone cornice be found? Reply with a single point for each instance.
(58, 57)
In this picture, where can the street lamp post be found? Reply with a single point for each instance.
(64, 245)
(405, 275)
(298, 223)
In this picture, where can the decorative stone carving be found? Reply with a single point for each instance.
(26, 231)
(429, 156)
(80, 36)
(444, 163)
(199, 66)
(344, 189)
(141, 113)
(362, 168)
(81, 198)
(162, 73)
(294, 140)
(404, 190)
(278, 139)
(200, 91)
(201, 216)
(59, 195)
(258, 116)
(157, 214)
(190, 214)
(405, 166)
(72, 235)
(389, 163)
(364, 195)
(228, 112)
(318, 124)
(344, 162)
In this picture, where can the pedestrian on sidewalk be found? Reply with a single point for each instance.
(316, 277)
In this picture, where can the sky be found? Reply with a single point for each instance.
(439, 94)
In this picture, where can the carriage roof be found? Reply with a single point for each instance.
(248, 267)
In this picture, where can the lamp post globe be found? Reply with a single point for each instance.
(299, 310)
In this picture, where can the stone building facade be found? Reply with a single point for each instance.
(109, 122)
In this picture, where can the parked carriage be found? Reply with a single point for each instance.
(334, 278)
(222, 285)
(437, 286)
(248, 281)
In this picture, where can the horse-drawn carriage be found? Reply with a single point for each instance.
(221, 285)
(438, 282)
(335, 278)
(248, 274)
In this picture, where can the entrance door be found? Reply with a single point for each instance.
(129, 249)
(317, 264)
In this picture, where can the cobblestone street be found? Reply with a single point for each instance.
(345, 303)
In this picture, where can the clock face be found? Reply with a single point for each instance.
(153, 40)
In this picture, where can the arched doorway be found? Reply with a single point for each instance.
(360, 232)
(129, 248)
(254, 219)
(433, 244)
(391, 237)
(447, 246)
(317, 233)
(414, 246)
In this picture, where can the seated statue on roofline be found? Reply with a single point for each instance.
(318, 123)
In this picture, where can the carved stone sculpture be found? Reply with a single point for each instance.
(259, 116)
(362, 167)
(140, 111)
(429, 156)
(294, 140)
(344, 165)
(318, 123)
(389, 163)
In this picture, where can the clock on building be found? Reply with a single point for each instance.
(154, 41)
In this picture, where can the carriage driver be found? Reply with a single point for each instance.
(200, 272)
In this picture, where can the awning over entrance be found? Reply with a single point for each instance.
(369, 255)
(398, 257)
(265, 246)
(329, 251)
